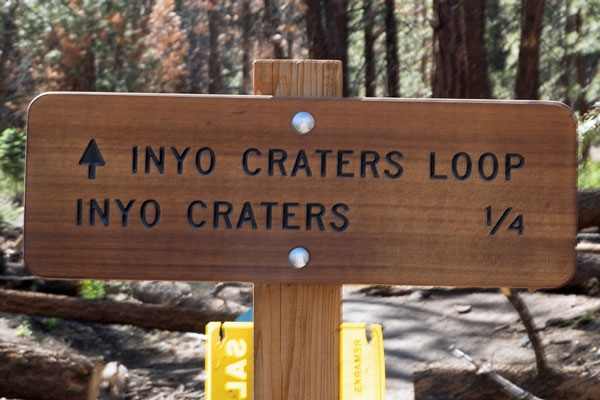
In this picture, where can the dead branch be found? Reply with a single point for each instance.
(521, 308)
(507, 386)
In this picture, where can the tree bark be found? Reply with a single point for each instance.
(427, 56)
(473, 28)
(246, 44)
(327, 33)
(7, 53)
(214, 59)
(391, 50)
(527, 83)
(581, 104)
(448, 78)
(337, 26)
(460, 63)
(150, 316)
(9, 30)
(85, 80)
(35, 373)
(270, 28)
(315, 33)
(569, 54)
(370, 74)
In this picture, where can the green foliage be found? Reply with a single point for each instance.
(585, 319)
(50, 322)
(589, 175)
(23, 330)
(589, 135)
(10, 214)
(94, 290)
(12, 155)
(12, 169)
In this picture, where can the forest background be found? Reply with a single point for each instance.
(497, 49)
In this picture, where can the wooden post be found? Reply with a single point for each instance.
(296, 326)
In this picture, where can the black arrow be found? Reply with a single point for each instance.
(92, 158)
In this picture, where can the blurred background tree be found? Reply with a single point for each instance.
(12, 158)
(502, 49)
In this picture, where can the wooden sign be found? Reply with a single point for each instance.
(222, 188)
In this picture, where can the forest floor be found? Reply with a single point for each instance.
(419, 325)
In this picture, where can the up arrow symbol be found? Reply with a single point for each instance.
(92, 158)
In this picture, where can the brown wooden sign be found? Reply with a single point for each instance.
(218, 188)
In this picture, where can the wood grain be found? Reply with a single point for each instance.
(311, 315)
(296, 326)
(268, 367)
(410, 230)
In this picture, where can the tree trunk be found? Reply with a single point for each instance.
(527, 83)
(35, 373)
(427, 57)
(569, 54)
(391, 50)
(270, 28)
(246, 44)
(291, 16)
(7, 53)
(460, 63)
(496, 42)
(86, 80)
(315, 32)
(9, 29)
(473, 28)
(327, 32)
(150, 316)
(581, 104)
(370, 74)
(337, 26)
(214, 59)
(448, 78)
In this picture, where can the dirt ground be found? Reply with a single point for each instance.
(421, 325)
(418, 326)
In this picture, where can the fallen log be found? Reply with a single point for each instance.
(34, 373)
(152, 316)
(588, 266)
(437, 380)
(16, 276)
(587, 273)
(588, 212)
(507, 386)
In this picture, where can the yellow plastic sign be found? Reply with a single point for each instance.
(230, 362)
(363, 367)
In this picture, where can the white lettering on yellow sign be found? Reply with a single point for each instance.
(236, 371)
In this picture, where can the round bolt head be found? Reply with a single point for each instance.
(299, 257)
(303, 122)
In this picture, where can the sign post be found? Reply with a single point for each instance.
(300, 194)
(297, 326)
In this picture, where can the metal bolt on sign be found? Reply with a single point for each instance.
(303, 122)
(299, 257)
